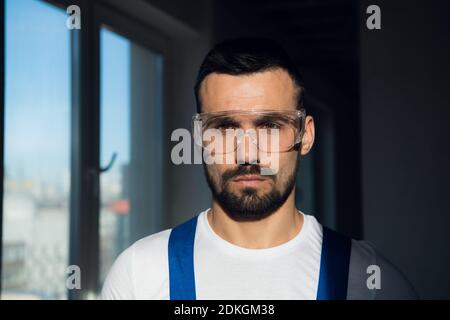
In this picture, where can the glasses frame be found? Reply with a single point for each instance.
(201, 117)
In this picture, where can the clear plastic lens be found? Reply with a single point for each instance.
(271, 131)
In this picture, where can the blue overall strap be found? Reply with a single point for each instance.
(334, 265)
(181, 261)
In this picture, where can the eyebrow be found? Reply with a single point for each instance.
(269, 117)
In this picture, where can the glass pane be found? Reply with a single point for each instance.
(37, 146)
(130, 102)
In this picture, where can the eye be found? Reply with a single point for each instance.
(223, 127)
(224, 124)
(270, 125)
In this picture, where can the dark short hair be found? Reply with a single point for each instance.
(243, 56)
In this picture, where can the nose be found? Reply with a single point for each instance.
(247, 148)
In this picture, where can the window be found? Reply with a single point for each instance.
(37, 151)
(77, 110)
(130, 135)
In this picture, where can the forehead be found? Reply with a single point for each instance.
(273, 89)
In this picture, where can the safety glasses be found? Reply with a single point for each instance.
(269, 130)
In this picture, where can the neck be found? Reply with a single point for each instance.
(276, 229)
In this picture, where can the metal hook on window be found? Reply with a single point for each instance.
(110, 164)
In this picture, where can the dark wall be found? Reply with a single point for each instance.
(405, 130)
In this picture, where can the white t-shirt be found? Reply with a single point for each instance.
(222, 269)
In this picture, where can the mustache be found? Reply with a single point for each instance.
(243, 170)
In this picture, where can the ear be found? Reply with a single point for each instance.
(308, 136)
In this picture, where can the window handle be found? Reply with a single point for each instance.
(94, 174)
(110, 164)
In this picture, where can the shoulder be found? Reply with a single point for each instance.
(372, 276)
(140, 271)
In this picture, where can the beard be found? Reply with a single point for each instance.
(250, 205)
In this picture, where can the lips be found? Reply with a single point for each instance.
(250, 181)
(249, 177)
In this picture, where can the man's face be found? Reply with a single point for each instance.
(240, 189)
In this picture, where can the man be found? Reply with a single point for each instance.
(253, 243)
